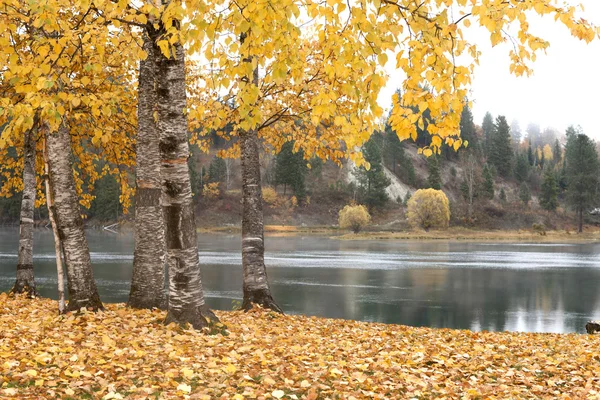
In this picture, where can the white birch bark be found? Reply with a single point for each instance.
(81, 284)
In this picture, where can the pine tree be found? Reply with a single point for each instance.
(500, 153)
(290, 170)
(530, 157)
(217, 170)
(502, 194)
(434, 180)
(524, 193)
(581, 172)
(515, 132)
(373, 182)
(488, 131)
(467, 127)
(521, 171)
(549, 194)
(556, 152)
(488, 182)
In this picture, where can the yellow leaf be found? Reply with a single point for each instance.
(230, 368)
(31, 372)
(278, 393)
(184, 388)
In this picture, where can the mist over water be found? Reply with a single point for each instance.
(444, 284)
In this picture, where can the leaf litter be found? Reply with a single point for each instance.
(123, 353)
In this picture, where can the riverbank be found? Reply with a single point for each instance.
(453, 233)
(122, 353)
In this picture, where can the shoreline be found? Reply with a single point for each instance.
(451, 234)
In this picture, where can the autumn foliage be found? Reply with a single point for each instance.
(354, 217)
(122, 353)
(428, 208)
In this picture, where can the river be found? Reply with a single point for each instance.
(442, 284)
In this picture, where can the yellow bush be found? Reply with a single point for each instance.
(211, 190)
(294, 202)
(270, 195)
(354, 217)
(428, 208)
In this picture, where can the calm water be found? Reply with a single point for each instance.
(515, 287)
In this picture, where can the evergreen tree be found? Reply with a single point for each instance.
(542, 161)
(395, 156)
(393, 151)
(373, 182)
(488, 182)
(556, 152)
(521, 171)
(549, 194)
(524, 193)
(105, 207)
(217, 171)
(530, 157)
(290, 170)
(500, 153)
(581, 173)
(515, 132)
(488, 131)
(502, 194)
(434, 180)
(467, 127)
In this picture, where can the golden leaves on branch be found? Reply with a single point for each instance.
(123, 353)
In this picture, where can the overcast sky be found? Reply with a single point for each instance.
(564, 89)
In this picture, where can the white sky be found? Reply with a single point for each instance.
(563, 90)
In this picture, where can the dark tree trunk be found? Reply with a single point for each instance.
(148, 280)
(25, 282)
(580, 222)
(256, 285)
(186, 297)
(81, 285)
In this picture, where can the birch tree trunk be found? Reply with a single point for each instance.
(148, 280)
(186, 297)
(81, 285)
(256, 285)
(60, 278)
(25, 282)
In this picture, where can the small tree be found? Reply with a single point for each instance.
(549, 195)
(488, 182)
(502, 194)
(354, 217)
(581, 172)
(521, 171)
(428, 208)
(500, 153)
(290, 169)
(372, 183)
(434, 180)
(525, 193)
(217, 170)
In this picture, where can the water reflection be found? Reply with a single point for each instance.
(479, 286)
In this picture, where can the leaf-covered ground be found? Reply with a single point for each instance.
(120, 353)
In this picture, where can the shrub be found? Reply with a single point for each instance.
(269, 195)
(354, 217)
(539, 228)
(428, 208)
(211, 190)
